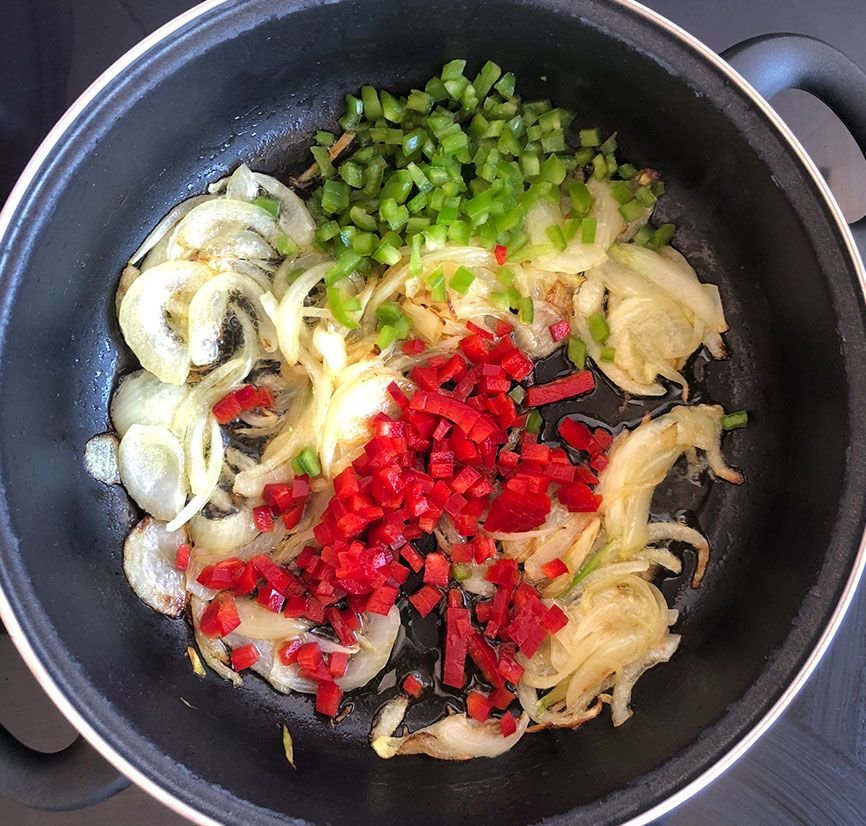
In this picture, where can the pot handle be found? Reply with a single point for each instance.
(72, 778)
(773, 63)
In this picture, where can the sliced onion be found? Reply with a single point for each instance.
(207, 312)
(620, 704)
(258, 623)
(144, 322)
(149, 556)
(242, 185)
(226, 533)
(216, 217)
(456, 737)
(389, 717)
(141, 398)
(151, 465)
(289, 317)
(165, 226)
(378, 635)
(294, 217)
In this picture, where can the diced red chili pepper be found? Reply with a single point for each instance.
(509, 668)
(227, 409)
(483, 548)
(556, 619)
(315, 611)
(399, 572)
(344, 634)
(181, 559)
(508, 459)
(480, 331)
(554, 568)
(245, 580)
(498, 614)
(264, 398)
(503, 572)
(516, 364)
(220, 576)
(560, 330)
(328, 696)
(475, 348)
(603, 438)
(457, 631)
(578, 498)
(346, 483)
(415, 560)
(576, 433)
(220, 617)
(295, 607)
(484, 657)
(453, 369)
(244, 656)
(437, 570)
(283, 581)
(535, 452)
(501, 698)
(565, 388)
(513, 512)
(278, 495)
(413, 347)
(483, 611)
(263, 518)
(337, 663)
(599, 462)
(500, 252)
(502, 328)
(413, 686)
(288, 653)
(507, 724)
(309, 656)
(398, 395)
(583, 474)
(478, 706)
(426, 377)
(382, 599)
(425, 599)
(462, 553)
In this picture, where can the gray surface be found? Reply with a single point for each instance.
(811, 767)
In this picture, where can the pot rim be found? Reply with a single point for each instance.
(180, 806)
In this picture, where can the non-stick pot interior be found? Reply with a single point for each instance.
(251, 82)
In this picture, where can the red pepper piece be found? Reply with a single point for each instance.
(478, 706)
(309, 656)
(246, 396)
(475, 348)
(457, 631)
(398, 395)
(415, 560)
(344, 634)
(513, 512)
(483, 611)
(288, 653)
(400, 573)
(337, 663)
(278, 496)
(281, 580)
(346, 483)
(220, 617)
(453, 370)
(466, 477)
(565, 388)
(599, 462)
(507, 724)
(534, 452)
(227, 409)
(181, 559)
(501, 698)
(437, 570)
(603, 438)
(503, 572)
(328, 698)
(413, 347)
(555, 619)
(425, 599)
(480, 331)
(509, 668)
(554, 568)
(484, 657)
(500, 252)
(295, 607)
(263, 518)
(508, 460)
(498, 614)
(382, 599)
(244, 656)
(413, 686)
(245, 580)
(220, 576)
(516, 364)
(483, 548)
(576, 434)
(264, 398)
(560, 330)
(502, 328)
(578, 498)
(315, 611)
(462, 553)
(583, 474)
(426, 377)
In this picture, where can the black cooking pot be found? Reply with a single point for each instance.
(250, 81)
